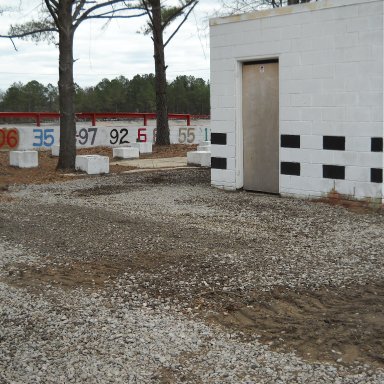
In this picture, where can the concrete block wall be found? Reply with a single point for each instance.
(119, 133)
(330, 57)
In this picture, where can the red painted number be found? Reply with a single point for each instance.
(9, 138)
(142, 137)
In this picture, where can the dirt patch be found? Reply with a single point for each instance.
(359, 206)
(71, 275)
(173, 150)
(5, 198)
(102, 190)
(46, 171)
(211, 252)
(343, 325)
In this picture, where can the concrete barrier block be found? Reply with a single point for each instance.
(24, 159)
(55, 150)
(126, 152)
(92, 164)
(206, 148)
(206, 159)
(201, 158)
(143, 147)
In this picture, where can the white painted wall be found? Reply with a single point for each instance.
(331, 83)
(110, 134)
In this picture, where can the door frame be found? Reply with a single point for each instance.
(239, 134)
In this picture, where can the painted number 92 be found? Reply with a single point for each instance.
(119, 137)
(186, 135)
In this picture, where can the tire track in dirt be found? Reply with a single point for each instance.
(342, 324)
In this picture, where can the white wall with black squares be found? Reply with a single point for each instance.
(331, 130)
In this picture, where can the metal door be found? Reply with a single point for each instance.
(261, 126)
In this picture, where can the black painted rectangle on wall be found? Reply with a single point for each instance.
(290, 141)
(219, 162)
(334, 142)
(219, 138)
(376, 175)
(290, 168)
(263, 61)
(376, 144)
(334, 172)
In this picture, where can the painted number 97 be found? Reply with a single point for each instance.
(85, 134)
(9, 138)
(186, 135)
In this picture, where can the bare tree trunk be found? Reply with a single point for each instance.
(67, 154)
(162, 135)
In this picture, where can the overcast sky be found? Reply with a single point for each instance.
(105, 53)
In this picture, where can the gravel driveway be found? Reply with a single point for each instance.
(155, 277)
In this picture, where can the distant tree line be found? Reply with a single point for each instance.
(186, 94)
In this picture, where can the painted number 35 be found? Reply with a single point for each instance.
(43, 137)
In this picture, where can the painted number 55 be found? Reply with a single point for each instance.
(186, 135)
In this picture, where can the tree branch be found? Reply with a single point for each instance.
(184, 20)
(78, 9)
(178, 12)
(25, 34)
(52, 12)
(116, 10)
(116, 16)
(13, 43)
(86, 13)
(147, 11)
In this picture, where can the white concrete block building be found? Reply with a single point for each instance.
(297, 100)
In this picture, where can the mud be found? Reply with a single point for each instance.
(213, 255)
(345, 325)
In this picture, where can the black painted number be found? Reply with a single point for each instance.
(117, 137)
(85, 134)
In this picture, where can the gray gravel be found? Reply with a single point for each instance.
(134, 329)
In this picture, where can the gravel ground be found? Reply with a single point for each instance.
(156, 277)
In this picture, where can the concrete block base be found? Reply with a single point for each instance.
(143, 147)
(126, 152)
(205, 148)
(92, 164)
(24, 159)
(55, 150)
(201, 158)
